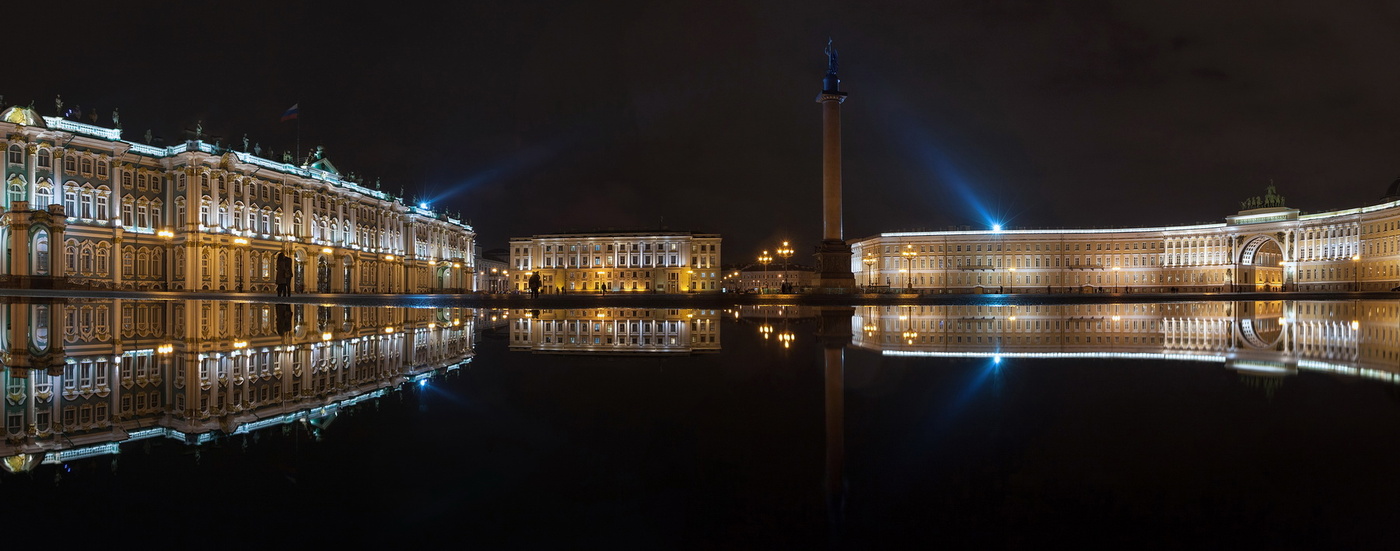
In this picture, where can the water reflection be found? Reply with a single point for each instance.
(1268, 338)
(615, 331)
(194, 370)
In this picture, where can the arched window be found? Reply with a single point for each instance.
(128, 212)
(101, 169)
(43, 195)
(45, 159)
(103, 197)
(16, 155)
(70, 163)
(142, 208)
(157, 262)
(70, 256)
(143, 262)
(86, 202)
(70, 199)
(156, 207)
(87, 165)
(85, 260)
(16, 189)
(180, 212)
(41, 252)
(104, 257)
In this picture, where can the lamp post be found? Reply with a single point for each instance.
(1115, 279)
(908, 254)
(785, 251)
(764, 259)
(905, 271)
(869, 261)
(1356, 270)
(167, 236)
(1012, 288)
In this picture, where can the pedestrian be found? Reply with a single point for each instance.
(284, 275)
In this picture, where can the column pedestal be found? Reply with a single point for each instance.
(834, 267)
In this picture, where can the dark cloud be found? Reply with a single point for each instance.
(540, 117)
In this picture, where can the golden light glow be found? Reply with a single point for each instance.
(389, 257)
(326, 336)
(327, 250)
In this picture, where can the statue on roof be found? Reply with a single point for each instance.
(831, 63)
(58, 104)
(148, 135)
(198, 129)
(245, 142)
(257, 149)
(92, 115)
(287, 156)
(116, 117)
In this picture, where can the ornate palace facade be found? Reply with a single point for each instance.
(84, 207)
(623, 262)
(1267, 246)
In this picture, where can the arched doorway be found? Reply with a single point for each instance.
(299, 271)
(1261, 265)
(323, 274)
(346, 267)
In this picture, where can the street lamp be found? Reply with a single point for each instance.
(1012, 288)
(1356, 270)
(908, 254)
(869, 261)
(167, 236)
(764, 259)
(785, 252)
(1115, 279)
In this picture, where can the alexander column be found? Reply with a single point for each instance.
(833, 255)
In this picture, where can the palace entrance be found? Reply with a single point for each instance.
(1261, 265)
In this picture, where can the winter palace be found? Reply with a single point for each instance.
(85, 208)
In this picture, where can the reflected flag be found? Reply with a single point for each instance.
(290, 113)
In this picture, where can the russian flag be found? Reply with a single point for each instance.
(290, 113)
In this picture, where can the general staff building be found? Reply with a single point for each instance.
(1266, 246)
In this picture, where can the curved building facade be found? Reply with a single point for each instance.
(84, 207)
(1266, 246)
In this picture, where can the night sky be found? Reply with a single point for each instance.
(535, 117)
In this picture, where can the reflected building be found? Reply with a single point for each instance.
(1358, 338)
(625, 331)
(83, 376)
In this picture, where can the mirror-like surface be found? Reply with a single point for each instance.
(1171, 425)
(84, 376)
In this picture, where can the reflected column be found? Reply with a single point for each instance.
(834, 333)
